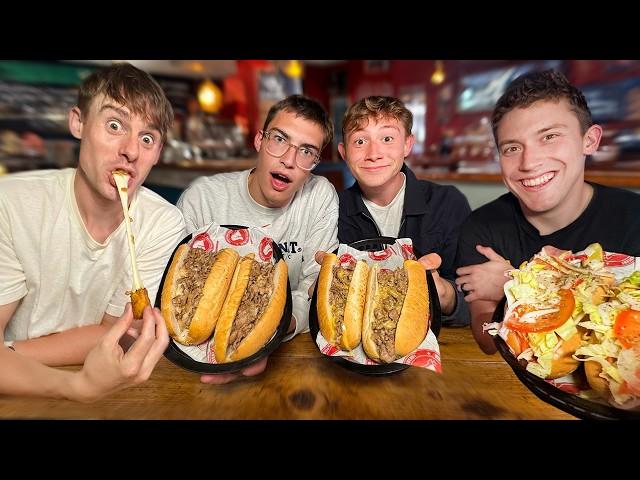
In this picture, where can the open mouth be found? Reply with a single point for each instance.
(279, 181)
(539, 181)
(112, 180)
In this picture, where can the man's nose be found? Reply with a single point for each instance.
(289, 157)
(530, 160)
(373, 151)
(130, 148)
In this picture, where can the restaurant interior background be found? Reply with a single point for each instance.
(220, 105)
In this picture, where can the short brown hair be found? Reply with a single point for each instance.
(536, 86)
(131, 87)
(307, 108)
(376, 107)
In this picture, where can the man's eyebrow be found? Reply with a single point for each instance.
(551, 127)
(125, 114)
(119, 111)
(286, 135)
(542, 130)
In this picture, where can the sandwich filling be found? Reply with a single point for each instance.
(392, 289)
(338, 295)
(253, 304)
(190, 284)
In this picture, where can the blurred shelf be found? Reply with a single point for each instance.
(618, 174)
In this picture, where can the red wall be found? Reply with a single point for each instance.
(402, 73)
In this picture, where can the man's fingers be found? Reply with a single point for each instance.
(319, 257)
(471, 297)
(219, 379)
(120, 327)
(222, 378)
(158, 346)
(145, 340)
(431, 261)
(465, 270)
(489, 253)
(256, 369)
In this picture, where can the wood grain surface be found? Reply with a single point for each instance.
(299, 383)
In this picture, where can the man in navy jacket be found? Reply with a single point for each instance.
(388, 200)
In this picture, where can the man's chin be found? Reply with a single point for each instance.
(279, 199)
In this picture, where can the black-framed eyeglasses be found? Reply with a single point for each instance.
(277, 145)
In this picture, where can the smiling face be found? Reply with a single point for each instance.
(275, 180)
(375, 151)
(542, 154)
(112, 137)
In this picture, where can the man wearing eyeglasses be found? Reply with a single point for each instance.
(280, 195)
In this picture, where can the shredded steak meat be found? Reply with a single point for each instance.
(195, 270)
(338, 294)
(394, 284)
(254, 302)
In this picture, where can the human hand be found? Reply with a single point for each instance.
(446, 293)
(108, 368)
(222, 378)
(319, 257)
(486, 280)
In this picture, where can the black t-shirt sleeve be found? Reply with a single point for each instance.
(474, 231)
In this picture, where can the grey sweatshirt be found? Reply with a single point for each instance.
(308, 224)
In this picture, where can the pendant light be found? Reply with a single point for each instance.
(209, 96)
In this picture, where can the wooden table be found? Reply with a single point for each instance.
(300, 383)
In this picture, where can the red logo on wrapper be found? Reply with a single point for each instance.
(381, 255)
(237, 237)
(407, 251)
(330, 350)
(347, 260)
(266, 249)
(425, 358)
(617, 260)
(202, 240)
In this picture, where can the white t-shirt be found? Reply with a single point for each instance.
(308, 224)
(388, 218)
(64, 277)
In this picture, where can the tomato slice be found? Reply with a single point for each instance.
(627, 328)
(544, 323)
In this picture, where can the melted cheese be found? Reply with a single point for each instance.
(122, 179)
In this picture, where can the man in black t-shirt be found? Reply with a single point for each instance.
(544, 130)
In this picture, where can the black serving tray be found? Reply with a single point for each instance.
(373, 245)
(547, 392)
(180, 358)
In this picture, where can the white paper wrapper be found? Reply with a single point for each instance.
(427, 355)
(244, 241)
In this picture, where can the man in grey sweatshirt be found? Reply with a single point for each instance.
(297, 209)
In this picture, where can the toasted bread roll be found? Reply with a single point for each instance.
(396, 317)
(194, 291)
(252, 309)
(340, 301)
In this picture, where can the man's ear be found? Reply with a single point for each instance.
(591, 139)
(75, 122)
(408, 145)
(257, 141)
(342, 151)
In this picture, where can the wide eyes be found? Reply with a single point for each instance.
(148, 139)
(114, 125)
